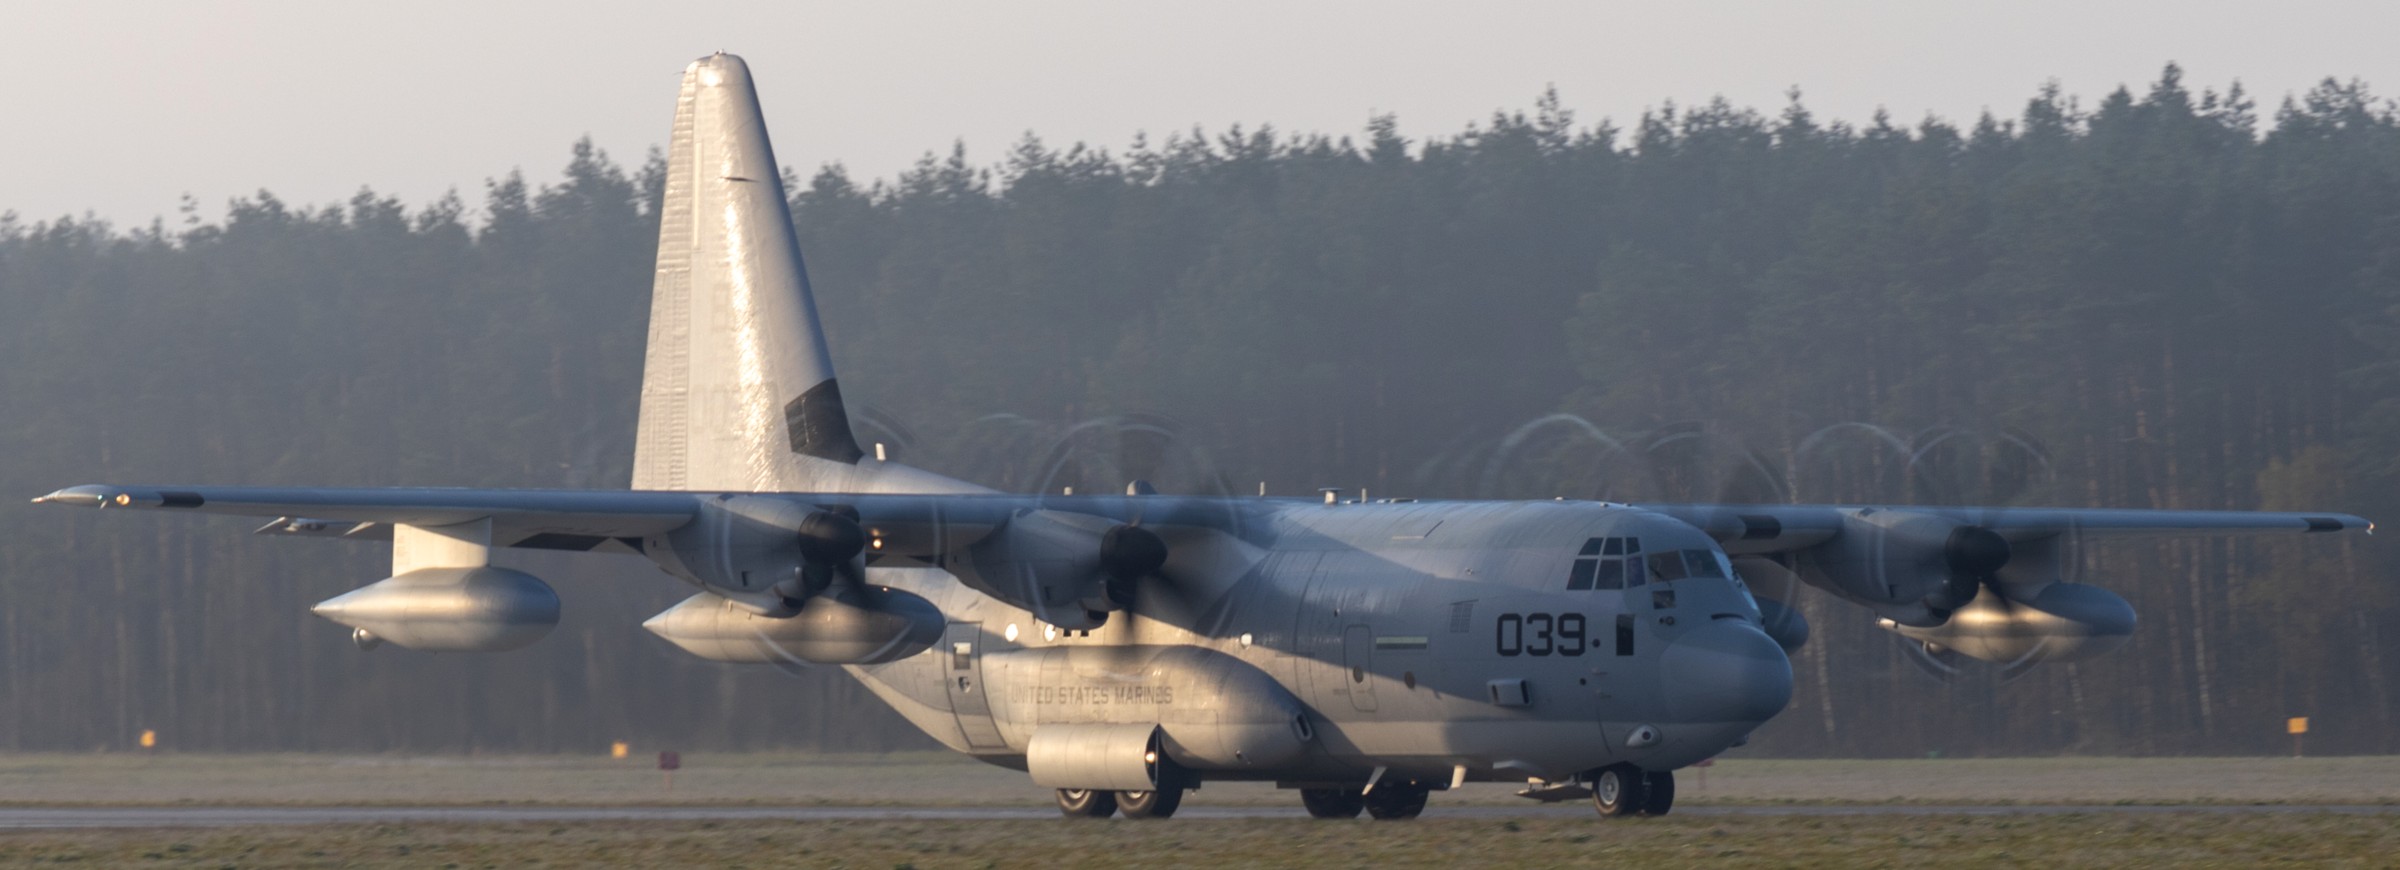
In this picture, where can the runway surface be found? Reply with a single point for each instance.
(217, 817)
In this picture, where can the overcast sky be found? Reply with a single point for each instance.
(119, 108)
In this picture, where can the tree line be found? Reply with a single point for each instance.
(2166, 299)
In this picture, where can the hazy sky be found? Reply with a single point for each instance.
(119, 108)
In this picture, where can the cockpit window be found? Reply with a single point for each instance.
(1609, 570)
(1581, 576)
(1667, 566)
(1608, 563)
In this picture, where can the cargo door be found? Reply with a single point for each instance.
(962, 669)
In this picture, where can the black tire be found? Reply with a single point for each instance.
(1658, 793)
(1085, 803)
(1619, 790)
(1332, 803)
(1157, 804)
(1391, 802)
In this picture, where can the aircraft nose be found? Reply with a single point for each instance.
(1726, 671)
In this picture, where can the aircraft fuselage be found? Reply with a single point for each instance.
(1420, 638)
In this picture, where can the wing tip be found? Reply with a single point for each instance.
(87, 495)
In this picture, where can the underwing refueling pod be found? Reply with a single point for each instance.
(1124, 648)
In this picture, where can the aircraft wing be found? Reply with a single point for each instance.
(542, 519)
(1773, 528)
(911, 524)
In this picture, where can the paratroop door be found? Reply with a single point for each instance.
(962, 669)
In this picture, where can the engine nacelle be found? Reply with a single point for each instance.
(741, 546)
(1957, 587)
(845, 626)
(2060, 622)
(1069, 569)
(1889, 560)
(1913, 568)
(482, 609)
(767, 555)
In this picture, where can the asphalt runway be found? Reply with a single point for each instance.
(34, 818)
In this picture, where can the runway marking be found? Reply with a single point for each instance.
(26, 818)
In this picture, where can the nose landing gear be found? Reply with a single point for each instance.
(1390, 801)
(1626, 790)
(1395, 801)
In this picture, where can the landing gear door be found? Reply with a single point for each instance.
(962, 670)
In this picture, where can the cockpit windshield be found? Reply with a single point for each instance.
(1679, 564)
(1619, 563)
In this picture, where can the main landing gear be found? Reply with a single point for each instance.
(1084, 803)
(1626, 790)
(1157, 804)
(1384, 802)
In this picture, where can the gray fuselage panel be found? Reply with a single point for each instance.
(1413, 637)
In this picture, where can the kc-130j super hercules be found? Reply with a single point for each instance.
(1123, 649)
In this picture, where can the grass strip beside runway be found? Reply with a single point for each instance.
(941, 779)
(2067, 839)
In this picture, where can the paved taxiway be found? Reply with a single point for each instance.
(215, 817)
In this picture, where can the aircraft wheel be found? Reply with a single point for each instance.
(1658, 793)
(1395, 802)
(1157, 804)
(1085, 803)
(1332, 803)
(1618, 791)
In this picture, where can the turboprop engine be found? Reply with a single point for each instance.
(785, 580)
(482, 609)
(766, 555)
(1957, 587)
(1070, 569)
(850, 625)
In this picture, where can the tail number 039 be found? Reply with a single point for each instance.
(1539, 634)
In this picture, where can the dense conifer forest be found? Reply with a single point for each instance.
(2169, 298)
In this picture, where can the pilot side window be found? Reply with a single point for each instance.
(1667, 566)
(1607, 563)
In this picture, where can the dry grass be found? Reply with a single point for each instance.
(1988, 781)
(932, 779)
(2190, 839)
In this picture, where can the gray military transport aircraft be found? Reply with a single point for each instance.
(1123, 649)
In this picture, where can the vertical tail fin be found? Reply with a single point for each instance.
(738, 391)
